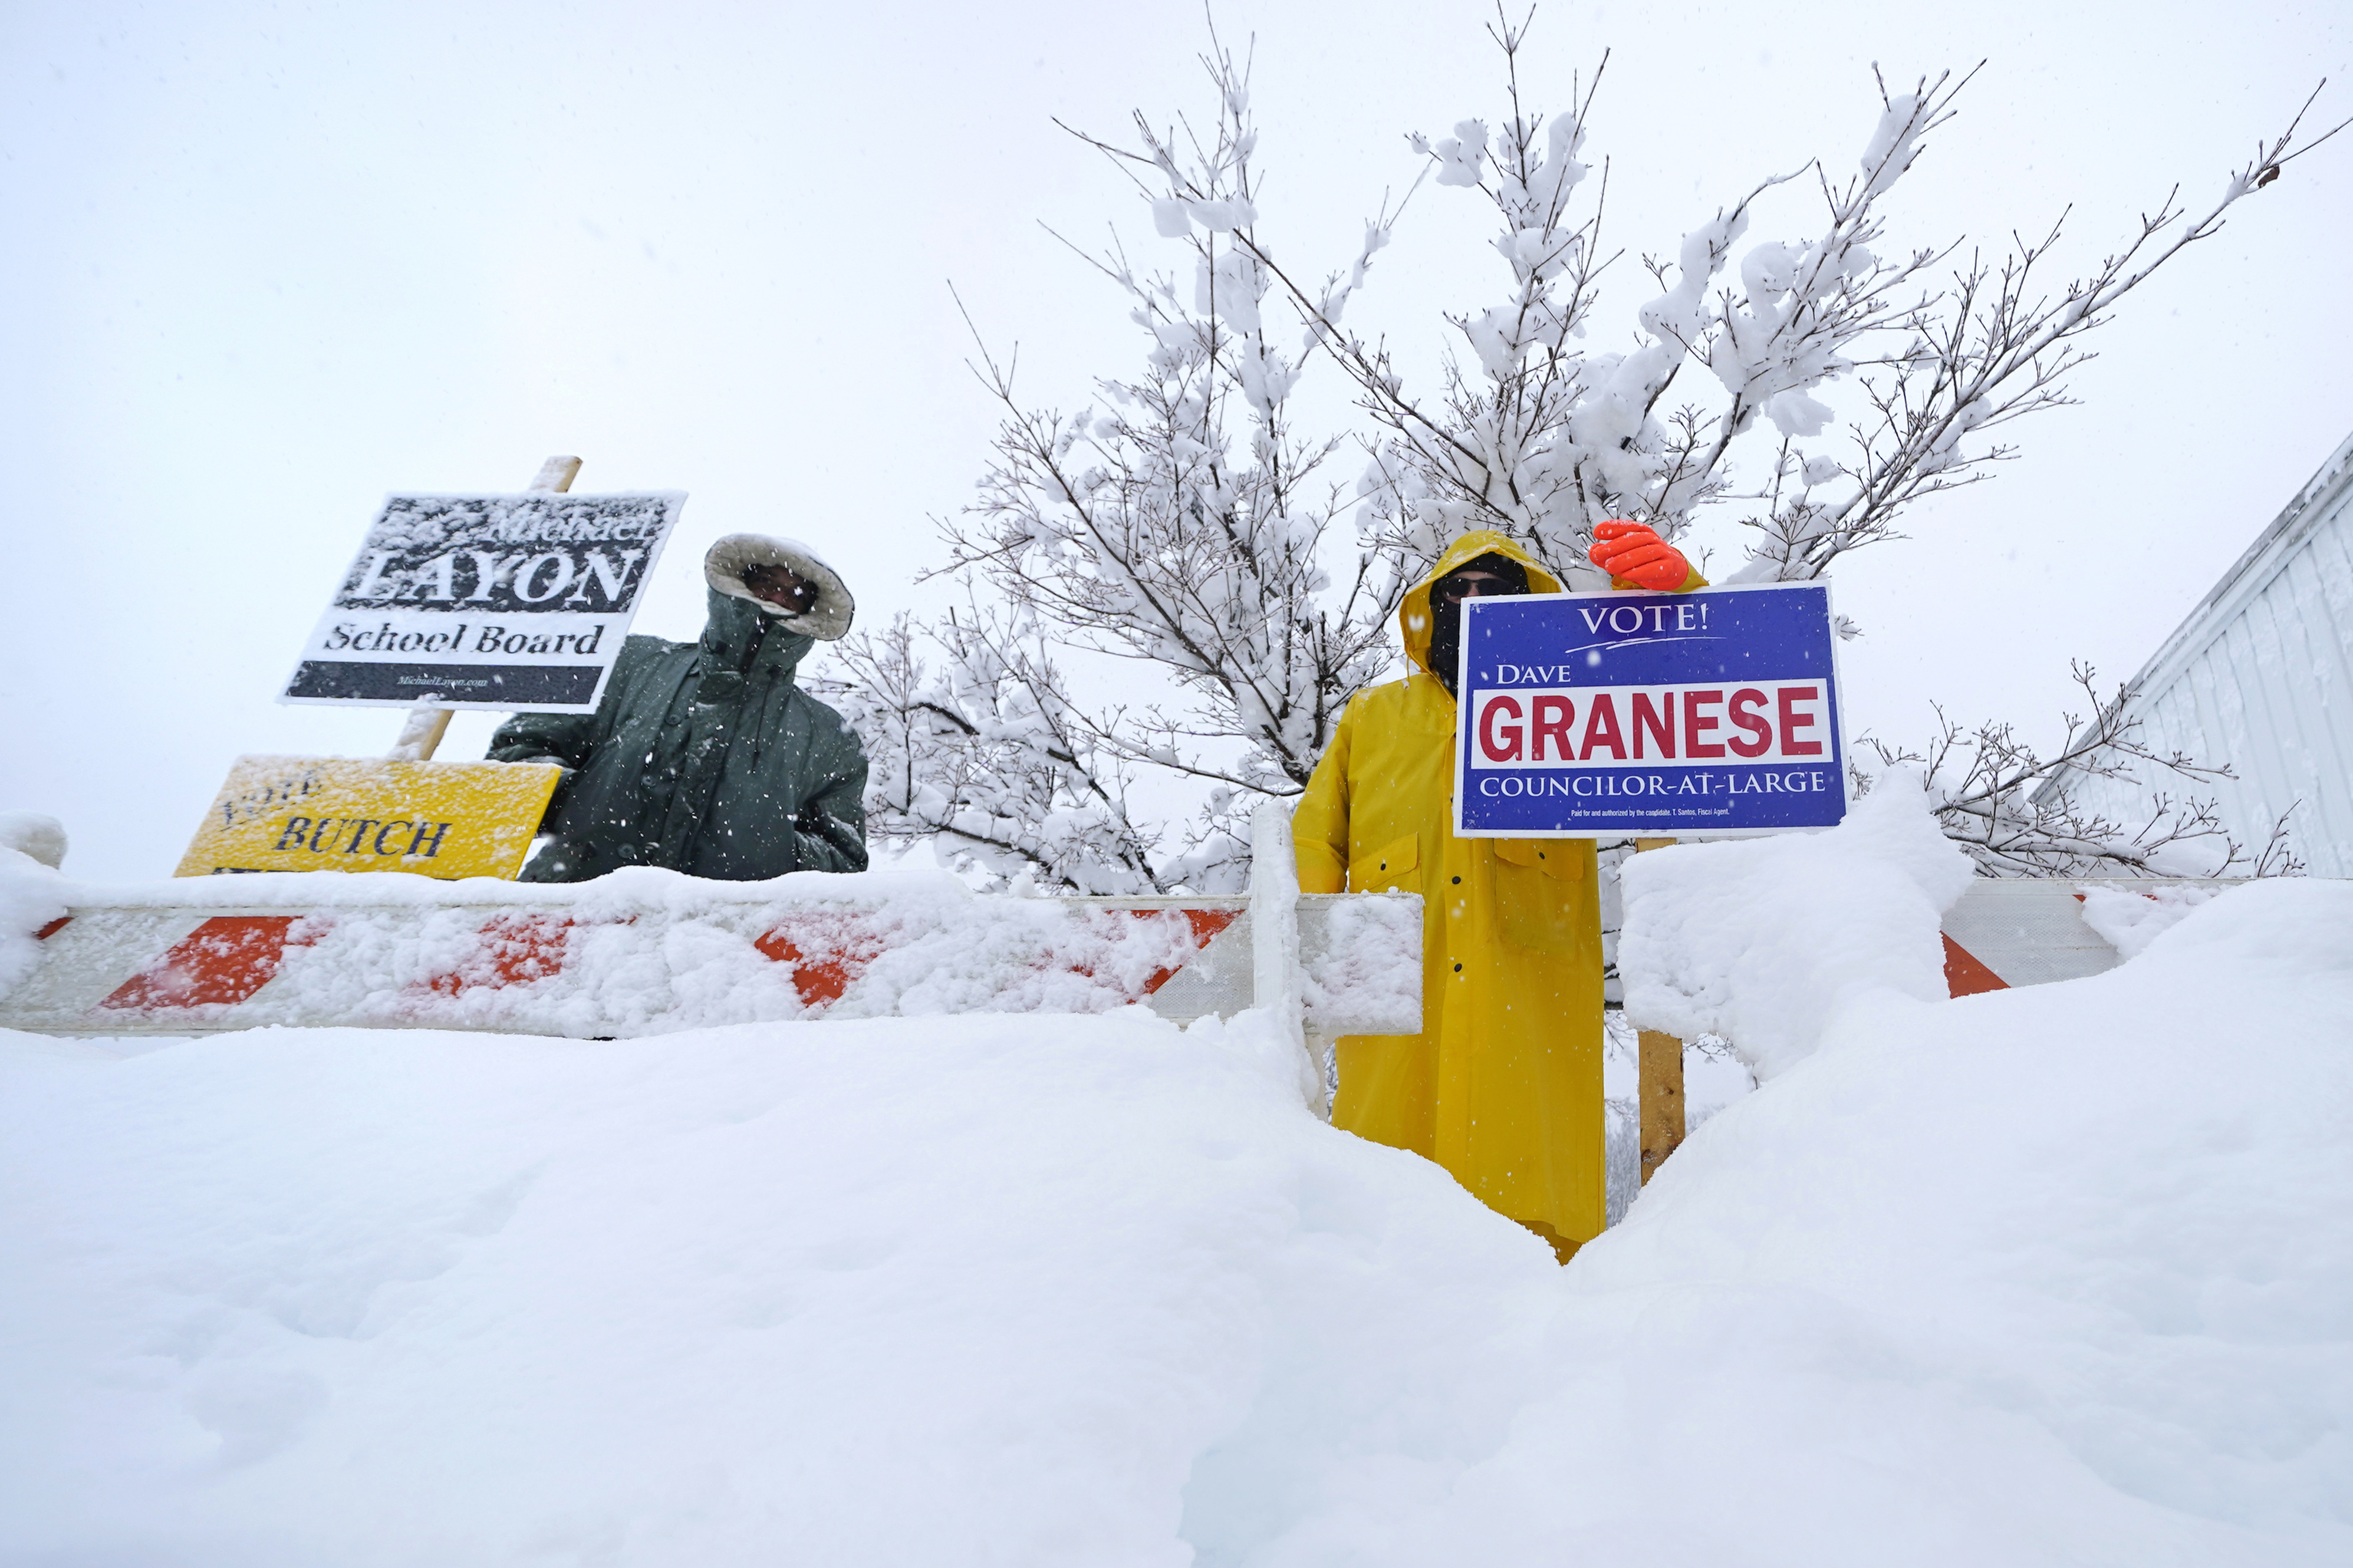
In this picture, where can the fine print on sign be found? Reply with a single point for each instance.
(444, 820)
(517, 603)
(1709, 714)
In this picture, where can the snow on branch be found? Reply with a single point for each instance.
(978, 751)
(2015, 812)
(1182, 528)
(1182, 521)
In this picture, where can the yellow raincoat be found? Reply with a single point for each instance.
(1503, 1087)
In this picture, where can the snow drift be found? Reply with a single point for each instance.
(2044, 1276)
(1762, 941)
(32, 894)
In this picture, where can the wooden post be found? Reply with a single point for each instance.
(1662, 1079)
(421, 732)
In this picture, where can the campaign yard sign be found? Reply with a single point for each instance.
(1709, 714)
(446, 820)
(517, 603)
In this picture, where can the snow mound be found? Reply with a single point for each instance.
(32, 894)
(2048, 1275)
(895, 1292)
(1761, 940)
(2129, 918)
(38, 837)
(2040, 1277)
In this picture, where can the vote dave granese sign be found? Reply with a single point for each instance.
(509, 602)
(1713, 713)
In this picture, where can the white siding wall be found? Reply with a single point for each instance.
(2260, 676)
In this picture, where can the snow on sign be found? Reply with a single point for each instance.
(1710, 714)
(446, 820)
(509, 602)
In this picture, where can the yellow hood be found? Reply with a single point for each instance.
(1413, 614)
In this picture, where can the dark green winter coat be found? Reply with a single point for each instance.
(703, 757)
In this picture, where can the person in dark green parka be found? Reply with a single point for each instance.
(706, 757)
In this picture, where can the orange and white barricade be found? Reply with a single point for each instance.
(2008, 931)
(647, 953)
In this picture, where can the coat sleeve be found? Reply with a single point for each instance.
(1319, 827)
(831, 823)
(534, 737)
(570, 737)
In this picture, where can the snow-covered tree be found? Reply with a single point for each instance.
(985, 751)
(2015, 810)
(1182, 524)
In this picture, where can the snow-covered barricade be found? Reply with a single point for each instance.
(649, 951)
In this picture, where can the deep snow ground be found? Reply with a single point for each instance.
(2051, 1276)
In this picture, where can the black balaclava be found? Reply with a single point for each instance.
(1446, 614)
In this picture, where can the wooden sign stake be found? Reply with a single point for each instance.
(421, 732)
(1662, 1078)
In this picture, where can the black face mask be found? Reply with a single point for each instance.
(1445, 641)
(1446, 612)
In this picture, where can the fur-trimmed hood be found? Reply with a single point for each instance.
(724, 563)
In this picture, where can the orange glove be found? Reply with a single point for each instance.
(1632, 552)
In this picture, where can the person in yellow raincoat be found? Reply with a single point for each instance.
(1503, 1087)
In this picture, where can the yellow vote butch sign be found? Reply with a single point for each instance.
(349, 814)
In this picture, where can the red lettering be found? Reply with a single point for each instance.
(1507, 749)
(1659, 722)
(1792, 721)
(1749, 699)
(1552, 718)
(1695, 726)
(1602, 727)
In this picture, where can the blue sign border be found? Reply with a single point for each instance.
(1679, 799)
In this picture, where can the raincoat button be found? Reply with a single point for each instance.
(1457, 969)
(1458, 878)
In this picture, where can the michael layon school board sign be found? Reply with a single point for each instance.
(1708, 714)
(517, 603)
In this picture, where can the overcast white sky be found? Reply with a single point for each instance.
(265, 262)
